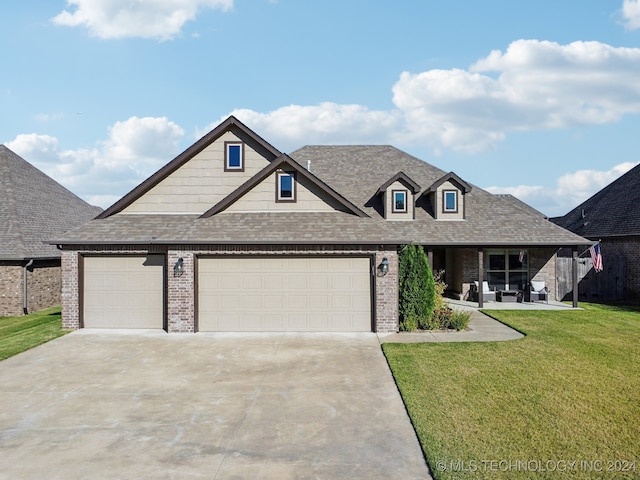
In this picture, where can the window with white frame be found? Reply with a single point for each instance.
(285, 187)
(450, 201)
(399, 201)
(233, 157)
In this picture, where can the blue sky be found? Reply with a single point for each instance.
(538, 99)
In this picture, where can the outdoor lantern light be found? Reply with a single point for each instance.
(384, 266)
(178, 268)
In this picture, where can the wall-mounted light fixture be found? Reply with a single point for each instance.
(178, 268)
(383, 268)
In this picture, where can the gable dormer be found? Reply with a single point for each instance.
(284, 186)
(398, 197)
(447, 197)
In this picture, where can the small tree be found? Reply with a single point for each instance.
(417, 289)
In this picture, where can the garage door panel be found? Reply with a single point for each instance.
(123, 292)
(284, 294)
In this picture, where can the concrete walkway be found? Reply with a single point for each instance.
(482, 328)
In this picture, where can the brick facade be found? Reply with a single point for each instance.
(43, 286)
(180, 293)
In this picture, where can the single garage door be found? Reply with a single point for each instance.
(284, 294)
(123, 292)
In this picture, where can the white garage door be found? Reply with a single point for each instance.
(123, 292)
(284, 294)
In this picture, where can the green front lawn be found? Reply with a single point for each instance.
(568, 392)
(21, 333)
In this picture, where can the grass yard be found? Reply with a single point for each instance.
(21, 333)
(567, 392)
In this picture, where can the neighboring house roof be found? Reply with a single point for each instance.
(34, 208)
(348, 177)
(612, 212)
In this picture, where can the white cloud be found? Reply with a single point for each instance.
(134, 150)
(571, 189)
(294, 126)
(631, 14)
(533, 85)
(156, 19)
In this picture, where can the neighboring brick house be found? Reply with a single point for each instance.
(611, 216)
(34, 208)
(233, 235)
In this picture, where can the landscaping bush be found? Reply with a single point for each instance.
(409, 324)
(459, 320)
(417, 289)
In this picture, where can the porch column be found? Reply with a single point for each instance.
(430, 257)
(480, 279)
(574, 275)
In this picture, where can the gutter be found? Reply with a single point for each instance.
(25, 309)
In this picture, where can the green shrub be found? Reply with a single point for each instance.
(409, 324)
(442, 316)
(417, 287)
(459, 320)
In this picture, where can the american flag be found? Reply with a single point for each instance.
(596, 257)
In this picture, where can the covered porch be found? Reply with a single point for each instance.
(508, 272)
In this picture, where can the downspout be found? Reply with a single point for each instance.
(25, 310)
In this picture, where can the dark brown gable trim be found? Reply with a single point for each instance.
(284, 162)
(230, 124)
(464, 186)
(402, 178)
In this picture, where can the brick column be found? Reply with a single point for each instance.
(70, 290)
(386, 303)
(181, 293)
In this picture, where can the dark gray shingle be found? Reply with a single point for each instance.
(34, 208)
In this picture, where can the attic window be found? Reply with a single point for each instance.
(450, 201)
(399, 199)
(285, 187)
(233, 157)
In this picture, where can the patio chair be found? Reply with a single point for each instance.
(487, 293)
(538, 291)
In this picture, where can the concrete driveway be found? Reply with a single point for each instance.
(150, 405)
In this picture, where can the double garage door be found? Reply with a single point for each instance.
(260, 294)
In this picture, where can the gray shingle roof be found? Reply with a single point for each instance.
(34, 208)
(613, 211)
(354, 173)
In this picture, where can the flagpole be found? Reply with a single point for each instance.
(589, 248)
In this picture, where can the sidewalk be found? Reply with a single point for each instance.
(482, 328)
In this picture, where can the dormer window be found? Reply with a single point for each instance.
(233, 157)
(447, 197)
(399, 199)
(285, 187)
(450, 201)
